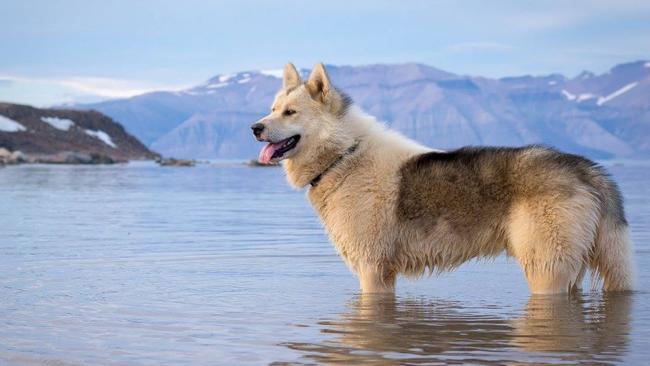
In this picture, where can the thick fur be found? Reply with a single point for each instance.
(395, 207)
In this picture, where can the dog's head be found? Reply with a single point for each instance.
(302, 114)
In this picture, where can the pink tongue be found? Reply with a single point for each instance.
(267, 153)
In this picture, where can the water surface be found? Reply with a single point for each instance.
(224, 264)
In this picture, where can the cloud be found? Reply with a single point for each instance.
(105, 87)
(96, 86)
(46, 91)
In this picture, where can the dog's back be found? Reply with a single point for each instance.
(556, 213)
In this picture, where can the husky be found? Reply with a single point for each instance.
(392, 206)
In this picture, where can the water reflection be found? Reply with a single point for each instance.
(591, 329)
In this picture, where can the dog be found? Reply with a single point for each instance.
(394, 207)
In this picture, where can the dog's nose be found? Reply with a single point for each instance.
(257, 129)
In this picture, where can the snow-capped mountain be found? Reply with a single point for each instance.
(601, 116)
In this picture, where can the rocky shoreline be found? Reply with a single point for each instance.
(65, 157)
(31, 135)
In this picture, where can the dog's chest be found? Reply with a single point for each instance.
(355, 214)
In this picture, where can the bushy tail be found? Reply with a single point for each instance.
(612, 256)
(611, 259)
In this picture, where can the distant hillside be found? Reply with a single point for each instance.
(37, 131)
(598, 115)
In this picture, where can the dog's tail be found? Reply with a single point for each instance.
(611, 258)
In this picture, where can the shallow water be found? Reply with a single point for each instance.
(224, 264)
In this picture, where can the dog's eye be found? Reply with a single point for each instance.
(289, 112)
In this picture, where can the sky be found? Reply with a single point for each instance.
(65, 51)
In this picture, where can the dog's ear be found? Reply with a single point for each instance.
(291, 77)
(319, 85)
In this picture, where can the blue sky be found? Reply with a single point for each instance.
(67, 50)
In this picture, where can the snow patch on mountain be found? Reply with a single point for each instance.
(578, 98)
(62, 124)
(568, 95)
(647, 64)
(585, 96)
(619, 92)
(277, 73)
(103, 136)
(9, 125)
(224, 78)
(217, 85)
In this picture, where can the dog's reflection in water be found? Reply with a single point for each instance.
(383, 330)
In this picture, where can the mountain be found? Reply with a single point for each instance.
(46, 132)
(600, 116)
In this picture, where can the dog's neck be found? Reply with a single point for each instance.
(301, 172)
(348, 152)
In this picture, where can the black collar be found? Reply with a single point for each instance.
(336, 162)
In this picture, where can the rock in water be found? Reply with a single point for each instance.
(175, 162)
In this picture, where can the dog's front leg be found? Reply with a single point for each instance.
(372, 279)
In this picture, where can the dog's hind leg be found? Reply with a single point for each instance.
(551, 238)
